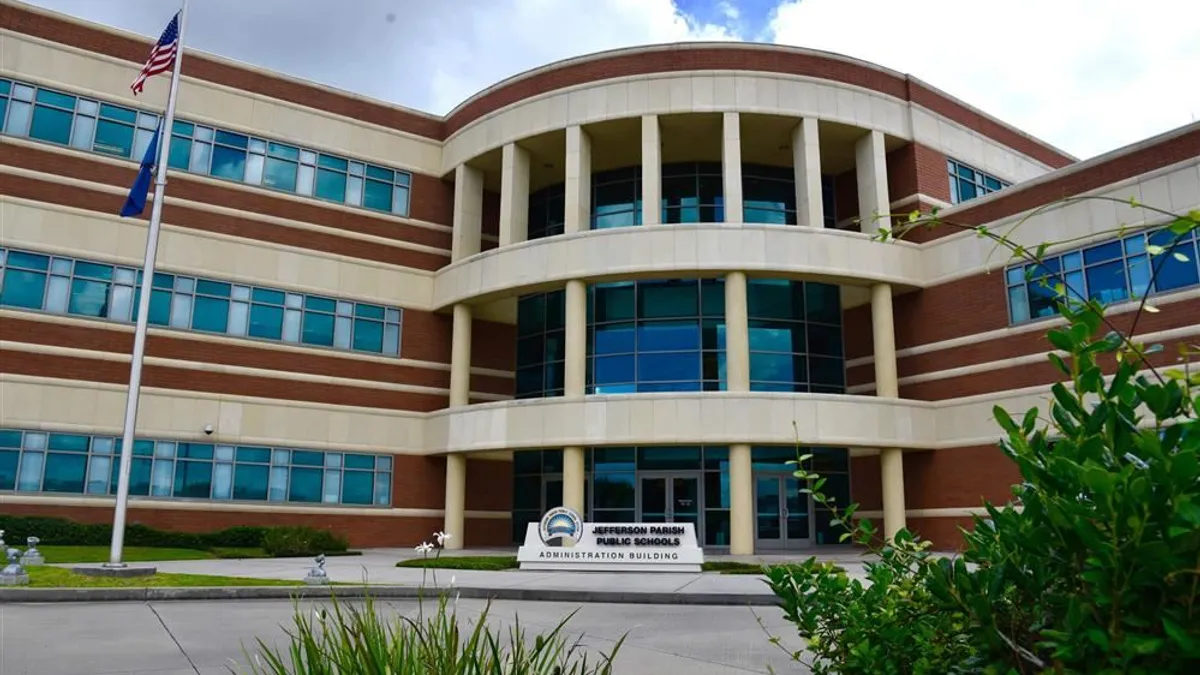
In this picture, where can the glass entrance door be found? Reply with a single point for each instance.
(670, 499)
(781, 512)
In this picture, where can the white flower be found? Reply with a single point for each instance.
(424, 548)
(453, 578)
(442, 538)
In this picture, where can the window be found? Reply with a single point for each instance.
(617, 199)
(36, 461)
(692, 193)
(669, 335)
(540, 340)
(967, 183)
(1110, 272)
(95, 126)
(62, 285)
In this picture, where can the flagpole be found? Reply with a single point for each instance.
(143, 310)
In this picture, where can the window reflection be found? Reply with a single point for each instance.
(1109, 272)
(692, 192)
(669, 335)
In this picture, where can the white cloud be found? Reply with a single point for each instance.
(1086, 75)
(500, 38)
(427, 55)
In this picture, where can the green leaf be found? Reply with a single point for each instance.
(1154, 249)
(1189, 511)
(1180, 257)
(1060, 340)
(1004, 419)
(1180, 636)
(1181, 226)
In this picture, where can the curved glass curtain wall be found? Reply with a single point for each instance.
(692, 192)
(669, 335)
(620, 486)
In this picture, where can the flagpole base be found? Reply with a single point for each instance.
(118, 571)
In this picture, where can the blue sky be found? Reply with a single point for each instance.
(1086, 75)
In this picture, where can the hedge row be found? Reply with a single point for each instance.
(276, 541)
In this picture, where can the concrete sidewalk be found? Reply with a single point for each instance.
(375, 572)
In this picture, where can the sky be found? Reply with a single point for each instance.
(1087, 76)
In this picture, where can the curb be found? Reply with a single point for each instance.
(49, 595)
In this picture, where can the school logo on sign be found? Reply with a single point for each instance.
(561, 526)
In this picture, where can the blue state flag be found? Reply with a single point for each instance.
(135, 203)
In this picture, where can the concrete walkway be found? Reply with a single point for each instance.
(377, 569)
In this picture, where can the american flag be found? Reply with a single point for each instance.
(162, 56)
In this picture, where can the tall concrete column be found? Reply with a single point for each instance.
(737, 378)
(574, 386)
(456, 500)
(578, 185)
(468, 212)
(806, 157)
(737, 333)
(651, 171)
(731, 166)
(460, 357)
(891, 460)
(870, 158)
(514, 195)
(460, 395)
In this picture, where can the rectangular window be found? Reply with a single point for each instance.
(33, 461)
(1132, 267)
(84, 288)
(113, 130)
(967, 183)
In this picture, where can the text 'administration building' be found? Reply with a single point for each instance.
(631, 283)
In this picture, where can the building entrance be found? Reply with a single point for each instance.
(782, 514)
(671, 498)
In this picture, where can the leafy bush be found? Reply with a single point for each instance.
(60, 531)
(888, 624)
(1095, 566)
(350, 640)
(297, 541)
(1097, 572)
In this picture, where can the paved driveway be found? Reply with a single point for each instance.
(205, 638)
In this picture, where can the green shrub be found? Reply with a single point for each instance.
(297, 541)
(1098, 571)
(63, 532)
(349, 640)
(888, 624)
(1095, 566)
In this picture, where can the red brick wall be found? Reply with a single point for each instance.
(361, 531)
(939, 479)
(420, 331)
(261, 202)
(1020, 198)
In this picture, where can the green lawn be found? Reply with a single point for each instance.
(490, 563)
(58, 577)
(99, 554)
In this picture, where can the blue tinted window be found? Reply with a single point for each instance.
(670, 336)
(85, 288)
(305, 485)
(86, 124)
(1110, 272)
(23, 289)
(967, 183)
(80, 464)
